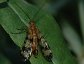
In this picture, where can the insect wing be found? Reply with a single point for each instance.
(26, 50)
(45, 49)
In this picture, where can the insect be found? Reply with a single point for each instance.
(33, 41)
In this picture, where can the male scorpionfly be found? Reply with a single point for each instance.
(33, 40)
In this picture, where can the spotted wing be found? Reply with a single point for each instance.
(26, 49)
(45, 49)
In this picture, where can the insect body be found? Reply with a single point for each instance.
(32, 41)
(34, 37)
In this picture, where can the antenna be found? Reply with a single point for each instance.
(38, 10)
(34, 14)
(24, 12)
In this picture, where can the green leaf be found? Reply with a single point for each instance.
(16, 16)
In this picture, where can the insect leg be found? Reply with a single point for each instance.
(19, 32)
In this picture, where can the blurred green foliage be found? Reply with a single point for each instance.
(15, 15)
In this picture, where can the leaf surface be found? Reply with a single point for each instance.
(16, 16)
